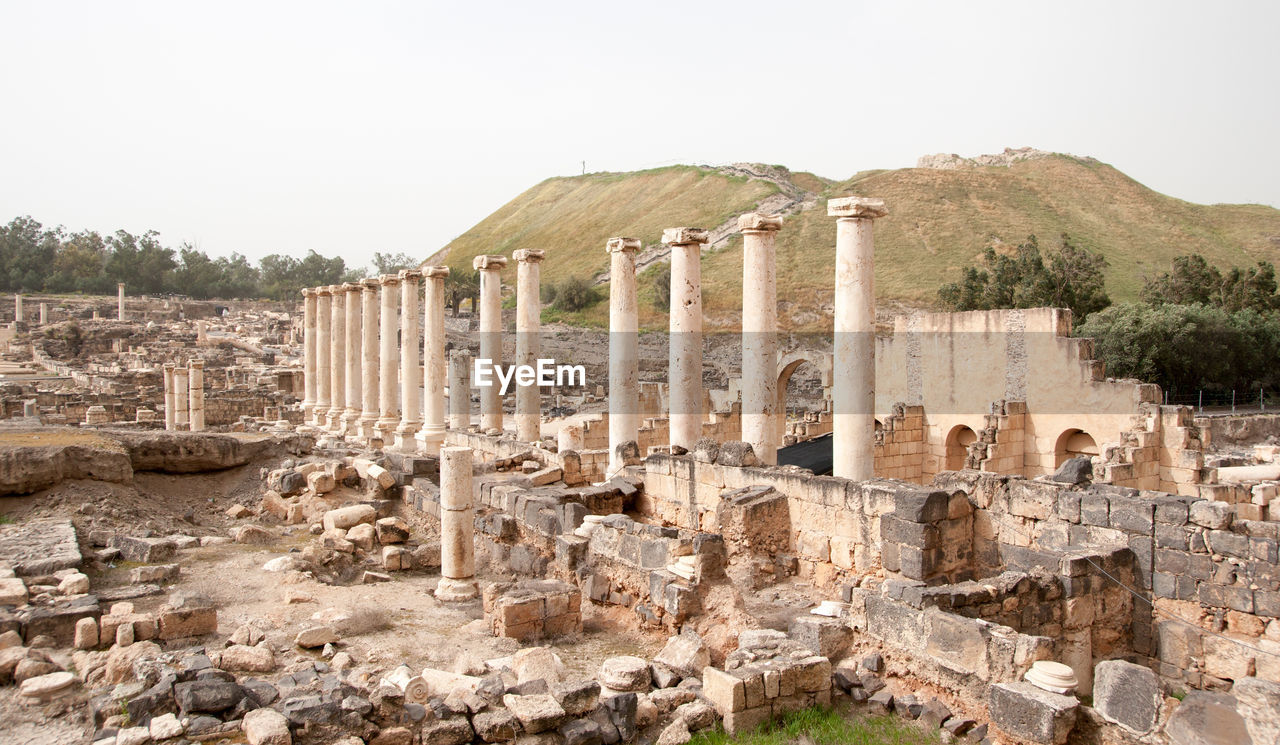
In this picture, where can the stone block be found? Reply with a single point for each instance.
(1025, 711)
(829, 637)
(725, 691)
(1127, 694)
(1205, 718)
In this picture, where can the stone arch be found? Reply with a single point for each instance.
(1074, 443)
(789, 363)
(959, 439)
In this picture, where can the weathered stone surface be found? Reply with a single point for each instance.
(392, 530)
(120, 660)
(254, 535)
(625, 673)
(28, 469)
(537, 663)
(676, 733)
(537, 713)
(686, 654)
(348, 517)
(207, 695)
(315, 636)
(362, 536)
(266, 727)
(495, 725)
(86, 633)
(577, 697)
(1258, 703)
(1074, 471)
(241, 658)
(144, 550)
(1205, 718)
(1127, 694)
(164, 727)
(1022, 710)
(48, 685)
(13, 591)
(1210, 514)
(829, 637)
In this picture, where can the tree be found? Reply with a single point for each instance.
(1072, 279)
(392, 263)
(460, 285)
(574, 293)
(1192, 281)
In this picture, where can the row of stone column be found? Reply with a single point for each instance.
(854, 344)
(362, 376)
(19, 313)
(184, 396)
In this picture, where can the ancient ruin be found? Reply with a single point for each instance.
(313, 522)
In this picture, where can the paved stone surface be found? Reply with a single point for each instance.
(43, 546)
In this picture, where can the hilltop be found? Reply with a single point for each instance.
(942, 216)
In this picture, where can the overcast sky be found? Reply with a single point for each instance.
(350, 128)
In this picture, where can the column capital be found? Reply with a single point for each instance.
(410, 274)
(864, 207)
(370, 284)
(529, 255)
(685, 236)
(323, 291)
(389, 280)
(308, 292)
(758, 221)
(198, 364)
(435, 272)
(169, 366)
(485, 262)
(350, 287)
(618, 245)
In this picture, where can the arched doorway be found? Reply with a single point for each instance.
(1074, 443)
(806, 387)
(958, 442)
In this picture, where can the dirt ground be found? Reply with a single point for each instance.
(419, 631)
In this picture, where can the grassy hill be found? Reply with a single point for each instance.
(939, 221)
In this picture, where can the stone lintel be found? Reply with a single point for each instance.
(616, 245)
(370, 283)
(489, 261)
(531, 255)
(757, 221)
(389, 280)
(435, 272)
(684, 236)
(410, 274)
(868, 207)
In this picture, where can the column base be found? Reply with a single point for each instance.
(456, 590)
(368, 427)
(333, 419)
(350, 423)
(405, 441)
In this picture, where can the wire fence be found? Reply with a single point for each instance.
(1226, 402)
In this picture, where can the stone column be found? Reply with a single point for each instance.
(457, 527)
(490, 268)
(433, 362)
(181, 420)
(351, 414)
(854, 353)
(308, 352)
(410, 370)
(459, 389)
(18, 315)
(202, 335)
(685, 361)
(528, 325)
(624, 350)
(197, 395)
(44, 314)
(759, 334)
(389, 354)
(170, 406)
(120, 301)
(323, 387)
(337, 357)
(569, 438)
(369, 358)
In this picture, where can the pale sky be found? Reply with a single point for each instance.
(351, 128)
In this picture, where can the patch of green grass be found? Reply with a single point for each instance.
(825, 726)
(5, 519)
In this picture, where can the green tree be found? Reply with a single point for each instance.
(574, 293)
(1072, 278)
(460, 285)
(389, 263)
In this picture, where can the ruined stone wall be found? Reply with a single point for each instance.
(900, 446)
(956, 365)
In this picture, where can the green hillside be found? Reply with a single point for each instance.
(939, 221)
(572, 218)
